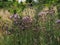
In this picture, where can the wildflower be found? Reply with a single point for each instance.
(58, 21)
(14, 16)
(51, 11)
(26, 19)
(11, 17)
(42, 13)
(26, 23)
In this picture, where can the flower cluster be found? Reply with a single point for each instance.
(15, 18)
(26, 19)
(23, 23)
(45, 12)
(26, 22)
(42, 13)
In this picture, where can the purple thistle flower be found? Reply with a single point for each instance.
(15, 16)
(51, 11)
(42, 13)
(26, 19)
(58, 21)
(11, 16)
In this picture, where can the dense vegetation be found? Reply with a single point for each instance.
(30, 22)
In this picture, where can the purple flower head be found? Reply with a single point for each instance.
(58, 21)
(11, 16)
(42, 13)
(15, 16)
(26, 19)
(51, 11)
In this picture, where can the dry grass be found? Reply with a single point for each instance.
(4, 14)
